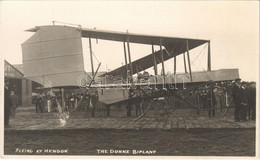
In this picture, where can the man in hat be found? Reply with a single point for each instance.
(244, 101)
(251, 100)
(7, 104)
(236, 91)
(14, 103)
(129, 103)
(211, 99)
(38, 104)
(93, 100)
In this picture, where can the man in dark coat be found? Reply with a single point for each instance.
(244, 101)
(129, 104)
(203, 97)
(93, 100)
(7, 104)
(38, 103)
(251, 100)
(14, 103)
(211, 98)
(237, 93)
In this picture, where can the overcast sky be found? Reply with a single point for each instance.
(232, 27)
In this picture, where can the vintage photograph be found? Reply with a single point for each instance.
(133, 78)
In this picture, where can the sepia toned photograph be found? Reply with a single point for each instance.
(129, 79)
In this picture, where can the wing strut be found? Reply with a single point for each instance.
(126, 65)
(175, 64)
(91, 57)
(155, 62)
(162, 58)
(129, 57)
(209, 57)
(184, 59)
(188, 55)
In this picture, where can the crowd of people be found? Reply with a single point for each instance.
(211, 97)
(49, 101)
(217, 96)
(41, 101)
(244, 96)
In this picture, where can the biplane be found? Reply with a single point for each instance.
(53, 57)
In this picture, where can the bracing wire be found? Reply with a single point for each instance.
(95, 56)
(199, 54)
(202, 53)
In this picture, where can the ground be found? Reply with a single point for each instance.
(183, 133)
(228, 142)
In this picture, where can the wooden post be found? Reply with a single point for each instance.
(174, 64)
(188, 55)
(24, 89)
(162, 59)
(155, 62)
(129, 57)
(91, 57)
(29, 93)
(26, 93)
(184, 59)
(209, 57)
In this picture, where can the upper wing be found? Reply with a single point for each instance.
(133, 37)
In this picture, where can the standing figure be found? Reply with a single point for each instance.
(59, 100)
(221, 97)
(223, 94)
(6, 105)
(129, 103)
(93, 100)
(38, 103)
(67, 102)
(72, 101)
(87, 100)
(43, 102)
(251, 100)
(244, 101)
(211, 99)
(215, 90)
(203, 96)
(138, 106)
(236, 91)
(14, 103)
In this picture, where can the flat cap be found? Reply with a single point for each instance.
(237, 79)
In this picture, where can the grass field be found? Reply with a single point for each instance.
(220, 142)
